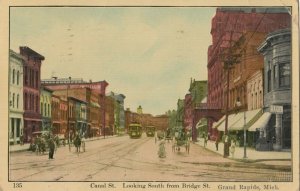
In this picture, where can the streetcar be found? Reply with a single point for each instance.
(135, 130)
(150, 131)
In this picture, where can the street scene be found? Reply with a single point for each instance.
(150, 94)
(125, 159)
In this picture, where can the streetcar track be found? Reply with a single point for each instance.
(132, 148)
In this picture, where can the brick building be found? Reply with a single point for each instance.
(93, 93)
(228, 26)
(31, 91)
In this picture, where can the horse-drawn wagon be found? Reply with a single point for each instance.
(181, 140)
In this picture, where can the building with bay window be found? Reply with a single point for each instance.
(277, 87)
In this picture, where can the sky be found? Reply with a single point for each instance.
(149, 54)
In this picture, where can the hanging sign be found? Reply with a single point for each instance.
(277, 109)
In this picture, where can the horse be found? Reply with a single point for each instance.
(77, 143)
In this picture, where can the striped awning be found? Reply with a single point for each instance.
(236, 121)
(261, 122)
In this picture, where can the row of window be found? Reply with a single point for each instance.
(45, 110)
(31, 77)
(31, 102)
(14, 102)
(281, 76)
(15, 77)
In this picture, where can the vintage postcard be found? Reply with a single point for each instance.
(159, 95)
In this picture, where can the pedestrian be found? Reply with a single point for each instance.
(232, 150)
(161, 150)
(205, 140)
(51, 148)
(217, 144)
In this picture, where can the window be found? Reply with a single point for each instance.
(42, 109)
(13, 76)
(36, 79)
(13, 100)
(269, 81)
(48, 109)
(284, 75)
(45, 109)
(36, 104)
(26, 75)
(18, 78)
(18, 101)
(26, 101)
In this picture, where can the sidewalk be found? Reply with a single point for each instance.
(251, 153)
(18, 147)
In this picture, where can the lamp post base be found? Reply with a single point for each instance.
(226, 150)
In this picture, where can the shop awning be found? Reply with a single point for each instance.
(236, 121)
(261, 122)
(251, 117)
(218, 123)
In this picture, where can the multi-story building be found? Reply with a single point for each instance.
(179, 115)
(198, 90)
(277, 88)
(31, 91)
(161, 122)
(228, 26)
(93, 93)
(46, 108)
(81, 116)
(15, 97)
(188, 112)
(255, 91)
(109, 116)
(56, 115)
(119, 112)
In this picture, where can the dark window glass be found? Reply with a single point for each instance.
(284, 75)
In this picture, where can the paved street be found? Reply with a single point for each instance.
(125, 159)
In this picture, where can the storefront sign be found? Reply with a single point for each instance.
(277, 109)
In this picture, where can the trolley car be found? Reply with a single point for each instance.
(135, 130)
(150, 131)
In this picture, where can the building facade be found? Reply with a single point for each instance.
(46, 108)
(228, 26)
(277, 87)
(255, 91)
(16, 122)
(188, 112)
(93, 93)
(119, 112)
(31, 91)
(179, 113)
(198, 90)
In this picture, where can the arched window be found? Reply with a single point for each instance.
(45, 108)
(18, 101)
(13, 100)
(18, 78)
(13, 76)
(49, 110)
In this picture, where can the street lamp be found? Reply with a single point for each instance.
(239, 104)
(68, 115)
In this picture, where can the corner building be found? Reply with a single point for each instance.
(228, 25)
(277, 87)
